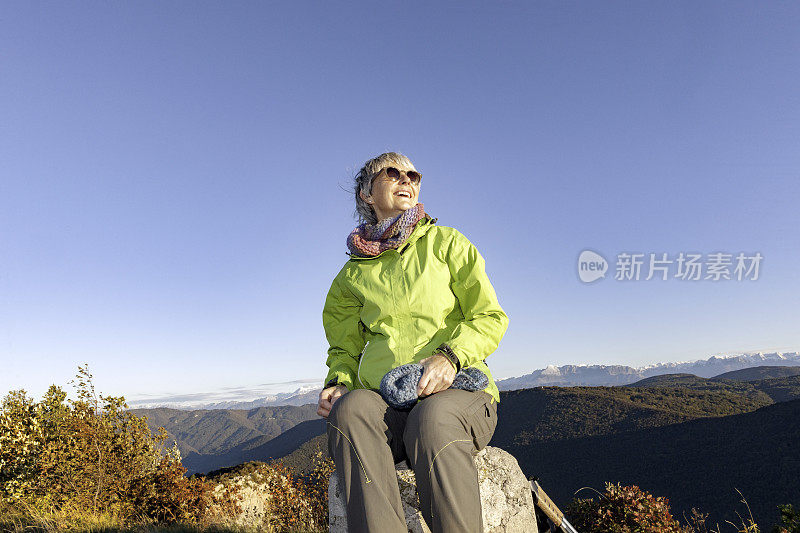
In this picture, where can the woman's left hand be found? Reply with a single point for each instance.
(438, 375)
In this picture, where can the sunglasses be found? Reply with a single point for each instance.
(394, 174)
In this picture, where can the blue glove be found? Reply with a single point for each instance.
(399, 385)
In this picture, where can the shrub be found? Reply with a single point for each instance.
(92, 457)
(623, 509)
(317, 486)
(629, 509)
(790, 520)
(20, 445)
(293, 503)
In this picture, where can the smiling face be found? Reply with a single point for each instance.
(390, 198)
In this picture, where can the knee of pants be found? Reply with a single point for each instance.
(428, 423)
(356, 409)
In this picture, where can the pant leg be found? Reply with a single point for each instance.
(442, 434)
(364, 435)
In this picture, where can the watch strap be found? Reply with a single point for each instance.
(451, 356)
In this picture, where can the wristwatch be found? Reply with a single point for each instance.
(331, 383)
(448, 352)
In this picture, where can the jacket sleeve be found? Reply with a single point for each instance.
(485, 322)
(341, 318)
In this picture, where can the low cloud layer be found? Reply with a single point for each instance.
(223, 394)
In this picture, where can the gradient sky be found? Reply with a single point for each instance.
(173, 176)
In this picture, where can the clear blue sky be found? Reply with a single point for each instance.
(172, 208)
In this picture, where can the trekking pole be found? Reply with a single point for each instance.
(549, 508)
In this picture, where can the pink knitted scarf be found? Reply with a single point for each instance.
(368, 240)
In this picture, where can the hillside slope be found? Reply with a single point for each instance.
(779, 389)
(212, 431)
(760, 372)
(693, 382)
(257, 449)
(555, 413)
(695, 464)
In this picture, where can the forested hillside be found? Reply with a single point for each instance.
(760, 372)
(554, 413)
(698, 463)
(212, 431)
(778, 384)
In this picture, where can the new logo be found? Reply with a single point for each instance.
(591, 266)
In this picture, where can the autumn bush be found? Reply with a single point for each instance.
(623, 509)
(91, 457)
(316, 483)
(89, 464)
(790, 520)
(629, 509)
(294, 503)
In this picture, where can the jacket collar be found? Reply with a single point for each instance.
(421, 229)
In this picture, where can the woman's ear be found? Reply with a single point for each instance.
(364, 197)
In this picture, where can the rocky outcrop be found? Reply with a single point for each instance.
(506, 500)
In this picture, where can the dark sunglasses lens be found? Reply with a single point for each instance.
(414, 176)
(392, 173)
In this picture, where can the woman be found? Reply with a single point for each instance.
(411, 292)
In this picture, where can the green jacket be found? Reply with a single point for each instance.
(399, 306)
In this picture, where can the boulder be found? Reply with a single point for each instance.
(506, 499)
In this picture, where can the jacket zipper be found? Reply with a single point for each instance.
(405, 245)
(360, 359)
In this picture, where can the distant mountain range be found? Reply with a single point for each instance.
(560, 376)
(610, 375)
(300, 396)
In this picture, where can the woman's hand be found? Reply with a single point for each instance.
(328, 397)
(438, 375)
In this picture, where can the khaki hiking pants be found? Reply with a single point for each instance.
(437, 438)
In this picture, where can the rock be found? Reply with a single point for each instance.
(506, 500)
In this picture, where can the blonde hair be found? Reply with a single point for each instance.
(363, 181)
